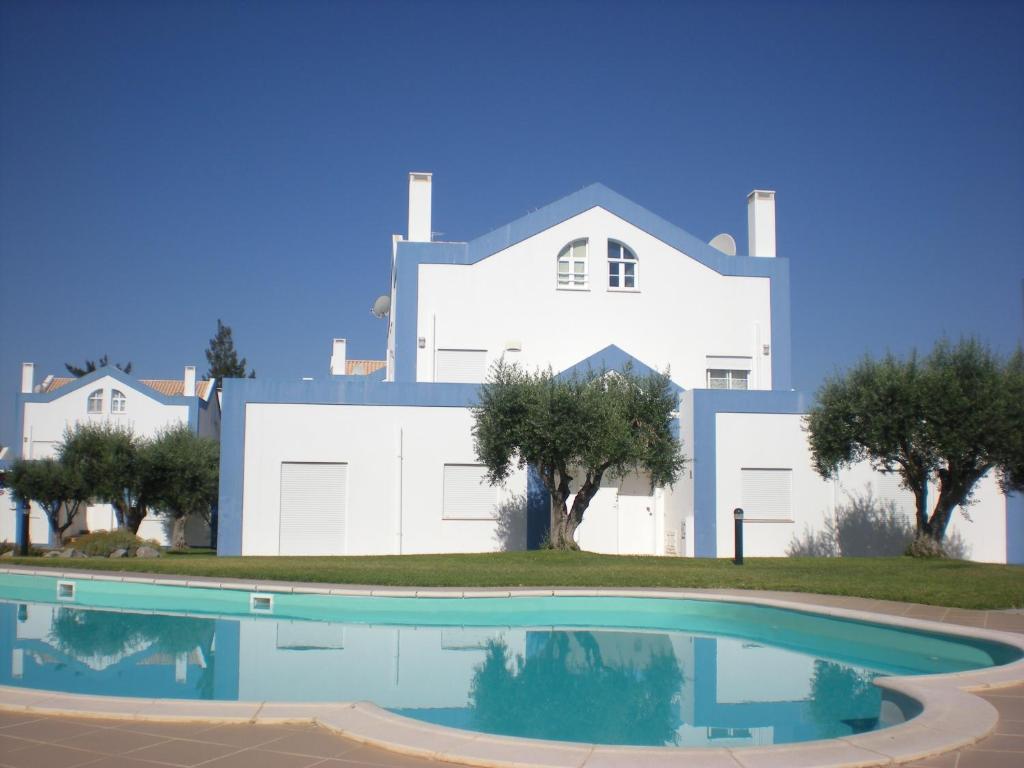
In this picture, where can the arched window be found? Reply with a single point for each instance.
(96, 402)
(622, 265)
(572, 265)
(118, 402)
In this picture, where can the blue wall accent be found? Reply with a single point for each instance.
(707, 403)
(1015, 528)
(337, 390)
(538, 509)
(410, 255)
(227, 659)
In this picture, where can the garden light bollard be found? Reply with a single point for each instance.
(737, 516)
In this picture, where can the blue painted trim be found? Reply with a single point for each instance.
(409, 256)
(1015, 528)
(538, 509)
(338, 390)
(707, 404)
(611, 358)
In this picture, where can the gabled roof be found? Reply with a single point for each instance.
(592, 196)
(167, 387)
(612, 358)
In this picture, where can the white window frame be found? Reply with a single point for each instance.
(732, 378)
(574, 280)
(95, 402)
(617, 267)
(118, 401)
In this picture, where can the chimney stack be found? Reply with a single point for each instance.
(28, 378)
(419, 207)
(761, 223)
(190, 381)
(338, 357)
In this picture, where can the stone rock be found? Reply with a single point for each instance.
(118, 553)
(66, 552)
(75, 553)
(53, 553)
(146, 552)
(8, 553)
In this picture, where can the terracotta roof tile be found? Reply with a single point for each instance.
(166, 387)
(363, 367)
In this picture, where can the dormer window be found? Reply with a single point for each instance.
(118, 402)
(622, 265)
(96, 402)
(572, 265)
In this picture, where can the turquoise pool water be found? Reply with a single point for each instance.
(600, 670)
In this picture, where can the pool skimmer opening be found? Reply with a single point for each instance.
(65, 590)
(260, 603)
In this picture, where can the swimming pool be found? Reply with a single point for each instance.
(606, 670)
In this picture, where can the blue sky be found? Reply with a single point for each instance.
(163, 164)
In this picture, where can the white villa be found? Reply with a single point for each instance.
(383, 462)
(146, 406)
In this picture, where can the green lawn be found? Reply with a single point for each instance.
(934, 582)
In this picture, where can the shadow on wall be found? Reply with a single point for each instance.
(867, 527)
(510, 516)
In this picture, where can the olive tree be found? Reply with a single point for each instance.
(55, 487)
(573, 430)
(183, 475)
(946, 419)
(112, 462)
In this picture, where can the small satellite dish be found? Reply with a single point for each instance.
(381, 306)
(724, 243)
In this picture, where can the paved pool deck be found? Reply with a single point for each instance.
(31, 738)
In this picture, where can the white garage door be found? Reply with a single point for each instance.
(312, 508)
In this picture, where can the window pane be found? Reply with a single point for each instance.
(613, 280)
(614, 250)
(579, 250)
(563, 267)
(579, 267)
(629, 282)
(630, 268)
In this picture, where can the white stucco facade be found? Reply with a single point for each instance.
(591, 281)
(511, 304)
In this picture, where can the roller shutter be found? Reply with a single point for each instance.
(467, 495)
(767, 494)
(464, 366)
(313, 508)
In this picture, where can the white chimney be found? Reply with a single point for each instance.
(338, 358)
(419, 207)
(761, 222)
(28, 377)
(190, 381)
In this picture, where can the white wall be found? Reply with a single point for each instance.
(395, 456)
(778, 441)
(681, 313)
(766, 441)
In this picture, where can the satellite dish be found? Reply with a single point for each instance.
(381, 306)
(724, 243)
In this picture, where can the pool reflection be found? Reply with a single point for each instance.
(611, 687)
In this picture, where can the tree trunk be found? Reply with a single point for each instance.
(178, 533)
(133, 518)
(560, 535)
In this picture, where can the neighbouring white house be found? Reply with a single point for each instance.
(107, 395)
(383, 462)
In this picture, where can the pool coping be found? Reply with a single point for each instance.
(952, 716)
